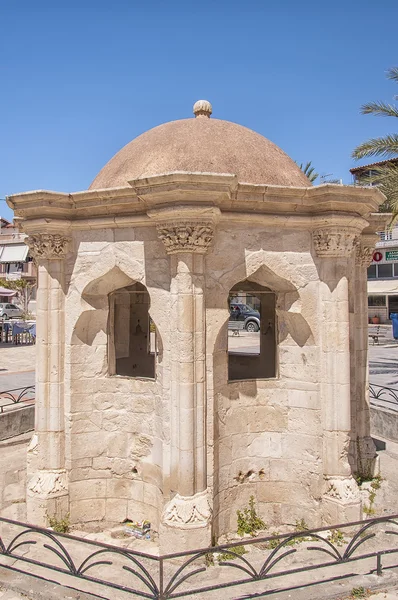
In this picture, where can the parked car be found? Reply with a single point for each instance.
(242, 312)
(9, 311)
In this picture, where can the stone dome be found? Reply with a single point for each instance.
(202, 145)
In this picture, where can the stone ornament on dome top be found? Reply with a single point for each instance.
(188, 511)
(48, 246)
(186, 237)
(334, 243)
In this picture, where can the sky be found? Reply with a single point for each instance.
(81, 78)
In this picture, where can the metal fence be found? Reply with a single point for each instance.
(10, 398)
(264, 562)
(380, 395)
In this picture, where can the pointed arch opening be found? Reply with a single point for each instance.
(251, 332)
(132, 333)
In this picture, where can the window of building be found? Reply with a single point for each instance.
(372, 272)
(384, 271)
(251, 332)
(132, 334)
(377, 301)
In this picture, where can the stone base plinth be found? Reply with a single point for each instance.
(179, 539)
(186, 523)
(341, 502)
(47, 496)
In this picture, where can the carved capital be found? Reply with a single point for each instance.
(186, 236)
(51, 483)
(334, 243)
(342, 489)
(188, 511)
(48, 246)
(365, 250)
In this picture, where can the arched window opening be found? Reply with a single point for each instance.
(251, 332)
(132, 333)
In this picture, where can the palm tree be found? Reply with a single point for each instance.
(387, 147)
(309, 170)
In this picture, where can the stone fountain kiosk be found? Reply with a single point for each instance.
(141, 411)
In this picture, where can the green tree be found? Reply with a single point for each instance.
(24, 289)
(309, 170)
(386, 176)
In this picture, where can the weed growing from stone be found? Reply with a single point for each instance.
(59, 525)
(248, 520)
(336, 537)
(358, 592)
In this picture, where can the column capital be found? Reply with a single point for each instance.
(186, 236)
(335, 242)
(365, 249)
(48, 246)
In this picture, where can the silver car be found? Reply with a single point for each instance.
(9, 311)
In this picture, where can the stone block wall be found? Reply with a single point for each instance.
(116, 427)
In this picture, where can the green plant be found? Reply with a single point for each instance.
(59, 525)
(301, 525)
(386, 173)
(237, 550)
(336, 537)
(248, 520)
(375, 484)
(358, 592)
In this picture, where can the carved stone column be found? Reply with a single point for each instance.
(186, 517)
(47, 479)
(365, 450)
(334, 246)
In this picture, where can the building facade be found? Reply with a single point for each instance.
(383, 271)
(16, 262)
(144, 407)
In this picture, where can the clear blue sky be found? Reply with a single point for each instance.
(81, 78)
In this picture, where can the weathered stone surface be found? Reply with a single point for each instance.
(181, 443)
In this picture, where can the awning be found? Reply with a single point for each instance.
(7, 293)
(13, 253)
(386, 286)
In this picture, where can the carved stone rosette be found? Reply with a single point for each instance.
(48, 246)
(334, 243)
(49, 483)
(188, 512)
(343, 489)
(186, 237)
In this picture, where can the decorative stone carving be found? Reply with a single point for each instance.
(48, 246)
(188, 511)
(365, 250)
(343, 489)
(186, 237)
(334, 243)
(49, 483)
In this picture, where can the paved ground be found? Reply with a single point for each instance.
(17, 364)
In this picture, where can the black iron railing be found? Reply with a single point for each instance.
(381, 395)
(199, 571)
(9, 398)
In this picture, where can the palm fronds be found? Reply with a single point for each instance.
(309, 170)
(386, 146)
(380, 109)
(393, 74)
